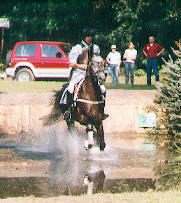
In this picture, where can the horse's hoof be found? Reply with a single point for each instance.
(90, 146)
(86, 145)
(102, 147)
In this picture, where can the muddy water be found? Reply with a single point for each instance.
(42, 187)
(60, 165)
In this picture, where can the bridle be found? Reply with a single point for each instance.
(98, 71)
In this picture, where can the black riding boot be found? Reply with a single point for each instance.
(69, 103)
(104, 115)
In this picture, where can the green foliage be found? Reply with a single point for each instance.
(169, 175)
(168, 101)
(2, 67)
(116, 22)
(140, 72)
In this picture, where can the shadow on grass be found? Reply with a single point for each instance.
(52, 79)
(130, 87)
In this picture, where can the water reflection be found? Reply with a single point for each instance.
(44, 187)
(74, 171)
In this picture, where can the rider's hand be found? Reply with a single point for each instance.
(83, 66)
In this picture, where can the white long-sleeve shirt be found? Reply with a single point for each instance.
(76, 51)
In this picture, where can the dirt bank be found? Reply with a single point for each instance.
(116, 97)
(22, 112)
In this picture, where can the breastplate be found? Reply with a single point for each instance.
(83, 58)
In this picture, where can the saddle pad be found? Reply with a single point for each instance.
(63, 99)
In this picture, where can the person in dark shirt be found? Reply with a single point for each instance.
(152, 51)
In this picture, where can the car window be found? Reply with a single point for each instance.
(26, 50)
(66, 48)
(50, 51)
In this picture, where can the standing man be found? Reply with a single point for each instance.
(152, 51)
(114, 61)
(79, 58)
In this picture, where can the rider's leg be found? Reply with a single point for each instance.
(103, 90)
(76, 77)
(69, 101)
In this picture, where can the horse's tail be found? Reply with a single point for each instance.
(57, 110)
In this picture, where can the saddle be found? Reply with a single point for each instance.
(76, 89)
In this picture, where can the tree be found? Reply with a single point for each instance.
(115, 21)
(168, 101)
(168, 130)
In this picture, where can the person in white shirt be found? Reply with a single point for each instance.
(114, 61)
(130, 56)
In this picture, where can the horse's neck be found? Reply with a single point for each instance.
(91, 86)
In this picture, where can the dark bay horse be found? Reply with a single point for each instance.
(89, 105)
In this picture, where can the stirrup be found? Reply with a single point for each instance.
(67, 115)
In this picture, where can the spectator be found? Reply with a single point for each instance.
(130, 56)
(152, 51)
(114, 61)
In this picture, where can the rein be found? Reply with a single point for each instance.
(76, 99)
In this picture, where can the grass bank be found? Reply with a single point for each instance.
(133, 197)
(12, 86)
(44, 86)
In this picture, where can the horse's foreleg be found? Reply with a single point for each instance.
(70, 122)
(100, 138)
(70, 125)
(89, 144)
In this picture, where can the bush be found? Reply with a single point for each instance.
(140, 72)
(3, 67)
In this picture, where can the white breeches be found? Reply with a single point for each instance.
(77, 76)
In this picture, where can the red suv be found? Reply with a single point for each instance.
(37, 59)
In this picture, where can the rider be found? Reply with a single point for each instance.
(79, 58)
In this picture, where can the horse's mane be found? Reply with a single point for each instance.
(94, 81)
(96, 86)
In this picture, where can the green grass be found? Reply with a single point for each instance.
(133, 197)
(129, 87)
(45, 86)
(29, 87)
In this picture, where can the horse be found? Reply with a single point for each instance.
(88, 108)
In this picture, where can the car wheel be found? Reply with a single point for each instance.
(24, 75)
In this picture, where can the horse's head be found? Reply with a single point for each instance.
(98, 69)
